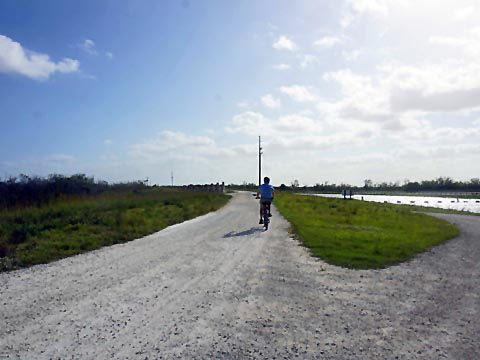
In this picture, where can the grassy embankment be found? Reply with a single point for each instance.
(361, 235)
(76, 224)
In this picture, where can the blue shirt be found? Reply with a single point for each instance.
(266, 191)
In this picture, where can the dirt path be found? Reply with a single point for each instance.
(219, 287)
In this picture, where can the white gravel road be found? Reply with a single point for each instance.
(220, 287)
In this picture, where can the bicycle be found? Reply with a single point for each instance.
(266, 218)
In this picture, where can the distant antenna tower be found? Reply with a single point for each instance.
(260, 161)
(172, 177)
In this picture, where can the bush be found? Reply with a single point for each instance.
(4, 248)
(73, 224)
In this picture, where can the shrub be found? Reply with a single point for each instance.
(75, 224)
(4, 248)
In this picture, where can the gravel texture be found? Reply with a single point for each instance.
(220, 287)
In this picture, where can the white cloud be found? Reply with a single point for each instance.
(14, 59)
(67, 66)
(270, 102)
(450, 41)
(408, 128)
(327, 42)
(294, 130)
(440, 152)
(415, 99)
(396, 102)
(370, 6)
(249, 122)
(298, 93)
(351, 83)
(173, 143)
(448, 86)
(475, 31)
(192, 158)
(363, 105)
(454, 133)
(307, 60)
(347, 19)
(352, 55)
(282, 67)
(108, 142)
(284, 43)
(88, 46)
(468, 43)
(381, 8)
(297, 123)
(395, 88)
(464, 13)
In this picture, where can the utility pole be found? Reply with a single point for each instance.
(172, 178)
(260, 161)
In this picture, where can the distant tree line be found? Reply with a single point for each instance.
(441, 184)
(243, 187)
(24, 190)
(444, 184)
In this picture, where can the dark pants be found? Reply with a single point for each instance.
(265, 202)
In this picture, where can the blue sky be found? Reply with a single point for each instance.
(341, 91)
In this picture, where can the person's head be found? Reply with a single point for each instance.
(266, 180)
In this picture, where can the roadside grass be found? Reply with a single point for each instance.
(358, 234)
(76, 224)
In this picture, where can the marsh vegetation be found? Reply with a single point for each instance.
(69, 224)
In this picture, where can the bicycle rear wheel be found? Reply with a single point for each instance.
(266, 219)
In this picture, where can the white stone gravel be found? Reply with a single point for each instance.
(219, 287)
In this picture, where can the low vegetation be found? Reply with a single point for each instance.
(361, 235)
(440, 186)
(73, 224)
(428, 209)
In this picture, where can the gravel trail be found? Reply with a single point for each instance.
(219, 287)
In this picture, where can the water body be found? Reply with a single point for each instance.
(472, 205)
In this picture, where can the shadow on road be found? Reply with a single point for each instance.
(251, 231)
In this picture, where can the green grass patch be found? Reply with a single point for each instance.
(359, 234)
(76, 224)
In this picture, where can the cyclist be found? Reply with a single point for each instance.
(266, 194)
